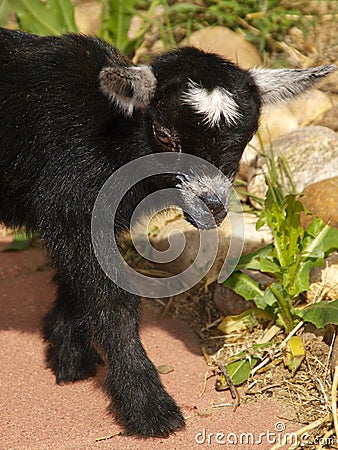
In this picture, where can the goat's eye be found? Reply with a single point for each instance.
(163, 136)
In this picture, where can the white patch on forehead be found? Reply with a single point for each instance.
(213, 105)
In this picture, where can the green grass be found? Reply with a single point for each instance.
(262, 21)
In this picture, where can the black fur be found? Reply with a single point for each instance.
(61, 137)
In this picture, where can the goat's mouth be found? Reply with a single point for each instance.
(203, 214)
(203, 200)
(202, 207)
(208, 221)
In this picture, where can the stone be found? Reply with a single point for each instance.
(276, 121)
(88, 17)
(226, 43)
(330, 117)
(324, 280)
(321, 199)
(228, 303)
(311, 154)
(249, 158)
(310, 106)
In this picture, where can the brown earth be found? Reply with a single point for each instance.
(36, 413)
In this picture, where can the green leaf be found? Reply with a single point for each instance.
(295, 354)
(302, 277)
(284, 221)
(319, 241)
(20, 242)
(261, 221)
(254, 259)
(5, 11)
(239, 371)
(293, 228)
(269, 297)
(320, 314)
(48, 17)
(246, 320)
(319, 238)
(270, 265)
(286, 310)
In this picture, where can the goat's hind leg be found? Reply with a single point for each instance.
(70, 352)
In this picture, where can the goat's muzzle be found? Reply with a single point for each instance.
(203, 208)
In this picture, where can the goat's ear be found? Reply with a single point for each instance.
(276, 85)
(128, 86)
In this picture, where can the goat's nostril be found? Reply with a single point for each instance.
(213, 203)
(217, 209)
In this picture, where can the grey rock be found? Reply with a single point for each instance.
(311, 154)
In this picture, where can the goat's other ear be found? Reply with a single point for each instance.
(277, 85)
(129, 87)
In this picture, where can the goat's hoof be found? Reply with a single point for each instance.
(73, 366)
(155, 420)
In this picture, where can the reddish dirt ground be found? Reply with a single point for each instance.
(36, 413)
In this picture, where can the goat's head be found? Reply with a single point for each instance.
(201, 104)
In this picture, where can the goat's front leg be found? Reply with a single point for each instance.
(139, 400)
(91, 311)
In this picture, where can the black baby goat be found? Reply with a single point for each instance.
(72, 111)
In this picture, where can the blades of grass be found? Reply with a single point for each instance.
(168, 25)
(185, 8)
(188, 29)
(51, 17)
(116, 17)
(147, 19)
(123, 22)
(103, 31)
(20, 242)
(286, 173)
(163, 36)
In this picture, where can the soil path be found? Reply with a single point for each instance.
(35, 413)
